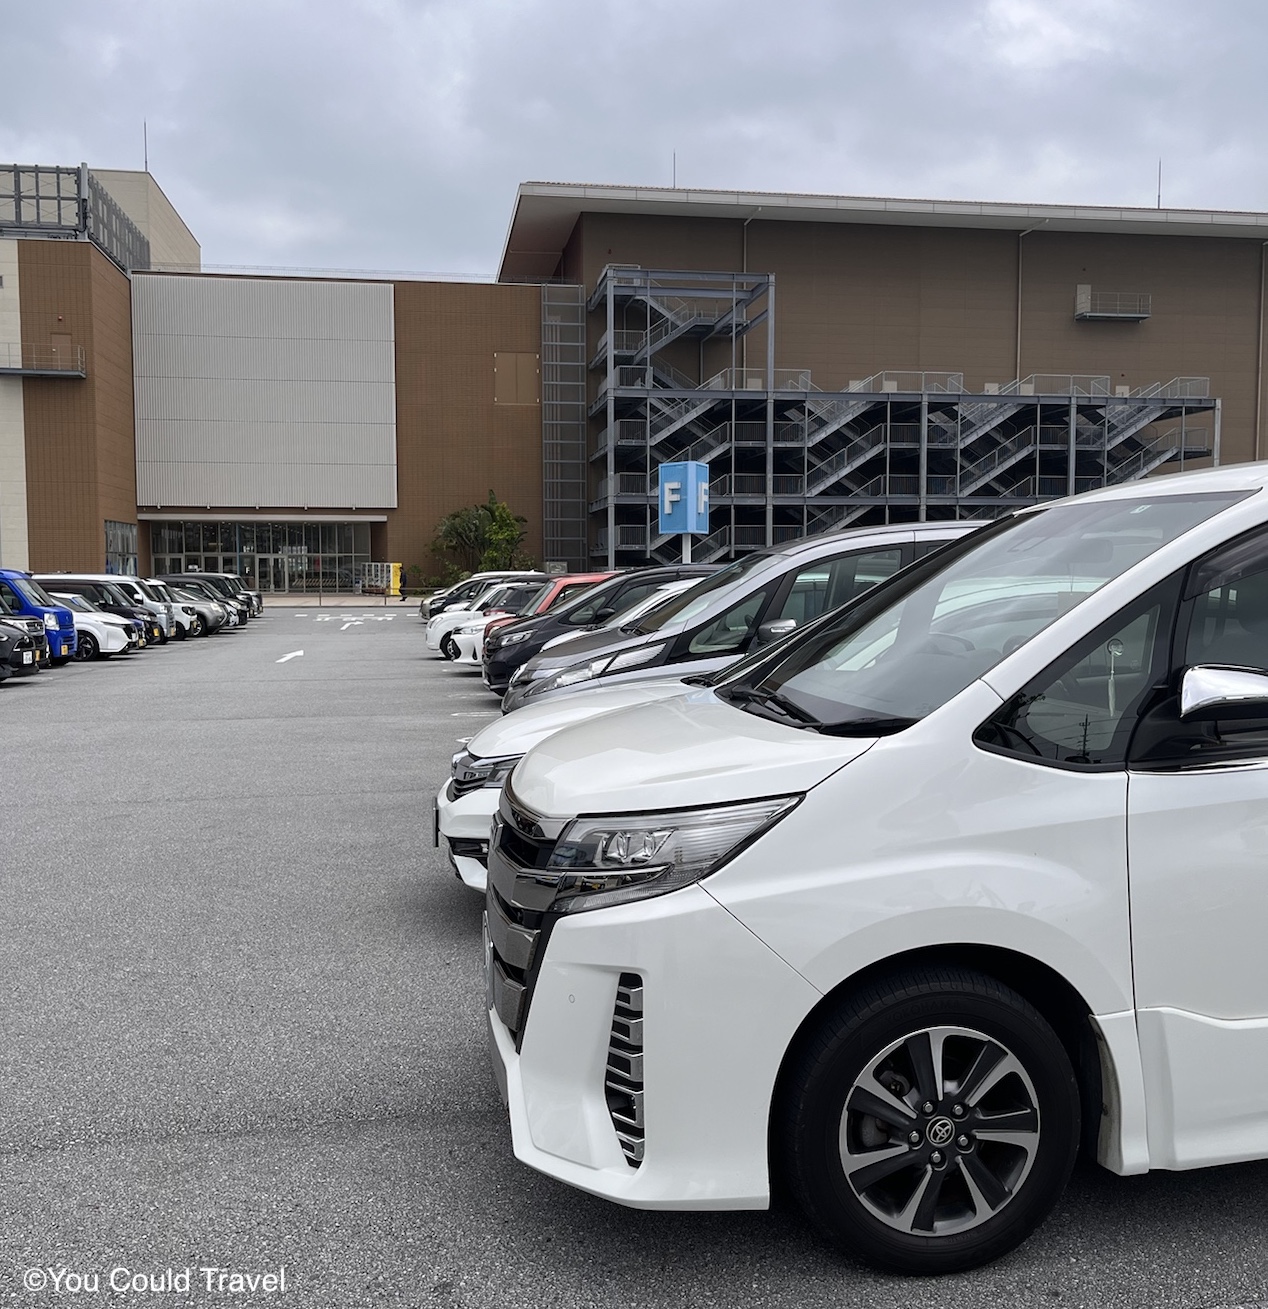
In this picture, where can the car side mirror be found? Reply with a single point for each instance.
(1209, 691)
(604, 614)
(773, 631)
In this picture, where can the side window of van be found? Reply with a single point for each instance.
(830, 583)
(1081, 710)
(1227, 624)
(10, 597)
(731, 630)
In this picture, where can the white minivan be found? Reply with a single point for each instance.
(971, 874)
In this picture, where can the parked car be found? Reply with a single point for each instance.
(237, 609)
(134, 592)
(107, 596)
(500, 600)
(187, 620)
(468, 588)
(519, 643)
(19, 654)
(25, 597)
(30, 627)
(470, 638)
(98, 635)
(554, 591)
(976, 867)
(466, 805)
(749, 603)
(212, 615)
(231, 584)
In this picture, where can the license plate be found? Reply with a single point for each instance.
(27, 657)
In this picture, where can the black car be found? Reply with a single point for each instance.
(516, 643)
(108, 596)
(33, 628)
(22, 650)
(223, 586)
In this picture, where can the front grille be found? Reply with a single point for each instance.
(460, 787)
(623, 1081)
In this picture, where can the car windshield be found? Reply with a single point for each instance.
(649, 602)
(567, 592)
(895, 657)
(115, 596)
(33, 592)
(680, 609)
(79, 602)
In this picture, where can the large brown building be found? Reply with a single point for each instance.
(833, 359)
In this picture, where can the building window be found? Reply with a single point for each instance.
(121, 548)
(267, 556)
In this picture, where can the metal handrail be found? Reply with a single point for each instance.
(24, 357)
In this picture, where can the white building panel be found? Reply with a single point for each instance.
(13, 507)
(251, 392)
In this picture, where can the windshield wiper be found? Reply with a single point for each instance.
(867, 726)
(771, 700)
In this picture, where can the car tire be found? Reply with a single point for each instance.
(449, 647)
(86, 647)
(924, 1070)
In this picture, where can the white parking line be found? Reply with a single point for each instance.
(294, 654)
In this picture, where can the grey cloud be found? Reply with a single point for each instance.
(391, 133)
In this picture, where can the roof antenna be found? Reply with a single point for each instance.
(145, 143)
(1160, 182)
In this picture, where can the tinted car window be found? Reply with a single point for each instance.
(1081, 710)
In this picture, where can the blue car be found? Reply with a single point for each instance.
(29, 599)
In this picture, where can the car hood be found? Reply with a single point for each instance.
(518, 732)
(690, 749)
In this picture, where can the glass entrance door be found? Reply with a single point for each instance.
(271, 572)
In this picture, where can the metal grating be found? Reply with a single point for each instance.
(72, 203)
(565, 468)
(623, 1080)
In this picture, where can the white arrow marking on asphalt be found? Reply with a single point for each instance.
(294, 654)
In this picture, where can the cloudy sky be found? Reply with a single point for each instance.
(391, 134)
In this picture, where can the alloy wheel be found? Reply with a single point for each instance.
(939, 1131)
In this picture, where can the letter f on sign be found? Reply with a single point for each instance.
(672, 494)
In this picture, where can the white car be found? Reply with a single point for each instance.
(441, 628)
(98, 635)
(971, 872)
(185, 614)
(466, 805)
(470, 637)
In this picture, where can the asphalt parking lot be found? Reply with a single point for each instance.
(243, 1028)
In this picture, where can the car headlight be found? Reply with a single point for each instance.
(514, 638)
(607, 860)
(468, 770)
(187, 611)
(642, 654)
(51, 624)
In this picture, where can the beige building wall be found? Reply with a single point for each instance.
(172, 244)
(13, 512)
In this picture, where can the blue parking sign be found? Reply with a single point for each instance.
(684, 498)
